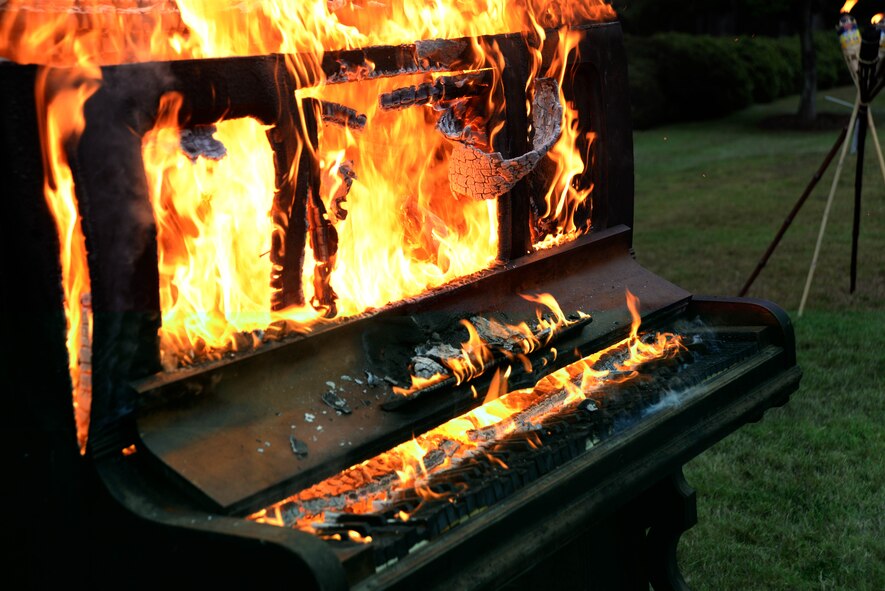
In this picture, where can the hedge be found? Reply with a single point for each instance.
(679, 77)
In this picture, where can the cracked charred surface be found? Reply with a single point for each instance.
(482, 175)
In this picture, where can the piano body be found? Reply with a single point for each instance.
(189, 473)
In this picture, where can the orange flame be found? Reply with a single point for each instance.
(635, 316)
(848, 6)
(564, 198)
(357, 537)
(475, 354)
(63, 32)
(877, 18)
(406, 232)
(60, 96)
(213, 231)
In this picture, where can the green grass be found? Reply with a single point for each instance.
(798, 500)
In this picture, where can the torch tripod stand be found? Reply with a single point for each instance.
(869, 80)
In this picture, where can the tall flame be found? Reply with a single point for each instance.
(848, 6)
(213, 231)
(60, 96)
(406, 231)
(564, 198)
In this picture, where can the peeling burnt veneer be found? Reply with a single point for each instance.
(480, 175)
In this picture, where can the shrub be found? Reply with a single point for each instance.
(675, 76)
(831, 68)
(772, 72)
(792, 52)
(701, 77)
(648, 101)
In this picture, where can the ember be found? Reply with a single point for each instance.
(374, 483)
(491, 342)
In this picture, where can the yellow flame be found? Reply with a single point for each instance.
(564, 198)
(63, 32)
(60, 97)
(848, 6)
(406, 232)
(357, 537)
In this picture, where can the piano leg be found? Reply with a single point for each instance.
(677, 514)
(626, 549)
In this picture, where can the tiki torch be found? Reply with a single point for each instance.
(863, 54)
(880, 26)
(849, 38)
(866, 81)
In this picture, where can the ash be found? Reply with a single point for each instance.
(200, 141)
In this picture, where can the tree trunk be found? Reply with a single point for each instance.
(807, 103)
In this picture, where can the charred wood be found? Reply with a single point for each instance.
(225, 88)
(426, 368)
(324, 243)
(289, 220)
(120, 234)
(514, 234)
(379, 476)
(336, 402)
(323, 235)
(345, 171)
(444, 53)
(437, 361)
(280, 329)
(371, 62)
(343, 116)
(299, 448)
(433, 55)
(446, 88)
(465, 121)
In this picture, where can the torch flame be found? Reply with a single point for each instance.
(848, 6)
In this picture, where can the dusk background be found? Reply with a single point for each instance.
(724, 147)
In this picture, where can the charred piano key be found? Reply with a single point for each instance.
(450, 480)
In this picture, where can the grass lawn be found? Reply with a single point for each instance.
(798, 500)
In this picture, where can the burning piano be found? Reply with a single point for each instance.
(343, 295)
